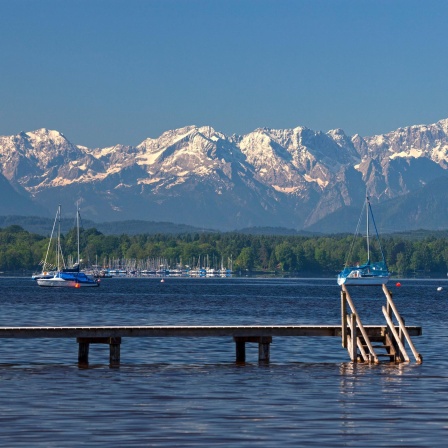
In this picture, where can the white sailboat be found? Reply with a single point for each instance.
(67, 277)
(369, 273)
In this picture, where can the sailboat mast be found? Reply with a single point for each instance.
(77, 226)
(59, 237)
(368, 230)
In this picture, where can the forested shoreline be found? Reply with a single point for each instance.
(284, 255)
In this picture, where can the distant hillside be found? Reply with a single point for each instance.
(43, 226)
(273, 231)
(136, 227)
(36, 224)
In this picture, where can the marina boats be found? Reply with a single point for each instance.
(65, 277)
(369, 273)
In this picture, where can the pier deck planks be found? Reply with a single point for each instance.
(188, 331)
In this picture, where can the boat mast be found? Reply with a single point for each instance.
(59, 237)
(77, 227)
(377, 236)
(368, 230)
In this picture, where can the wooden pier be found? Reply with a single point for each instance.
(358, 339)
(114, 335)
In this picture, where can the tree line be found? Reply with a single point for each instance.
(294, 255)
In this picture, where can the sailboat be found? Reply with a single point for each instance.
(369, 273)
(48, 270)
(67, 277)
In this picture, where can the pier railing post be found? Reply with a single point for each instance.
(354, 339)
(389, 312)
(344, 319)
(401, 333)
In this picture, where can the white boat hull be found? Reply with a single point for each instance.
(360, 281)
(57, 282)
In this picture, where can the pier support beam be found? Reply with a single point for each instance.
(263, 347)
(114, 349)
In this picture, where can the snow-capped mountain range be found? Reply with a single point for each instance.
(198, 176)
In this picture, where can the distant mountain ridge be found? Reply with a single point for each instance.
(292, 178)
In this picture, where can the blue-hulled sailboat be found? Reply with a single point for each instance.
(67, 277)
(369, 273)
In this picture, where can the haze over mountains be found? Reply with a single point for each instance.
(294, 178)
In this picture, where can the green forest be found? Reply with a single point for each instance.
(283, 255)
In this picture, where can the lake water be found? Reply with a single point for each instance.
(180, 392)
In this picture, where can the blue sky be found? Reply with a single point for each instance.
(109, 72)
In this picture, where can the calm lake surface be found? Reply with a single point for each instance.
(171, 392)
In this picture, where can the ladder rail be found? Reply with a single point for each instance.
(358, 339)
(402, 326)
(395, 334)
(361, 328)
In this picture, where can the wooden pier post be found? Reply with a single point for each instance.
(240, 349)
(263, 348)
(83, 352)
(114, 349)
